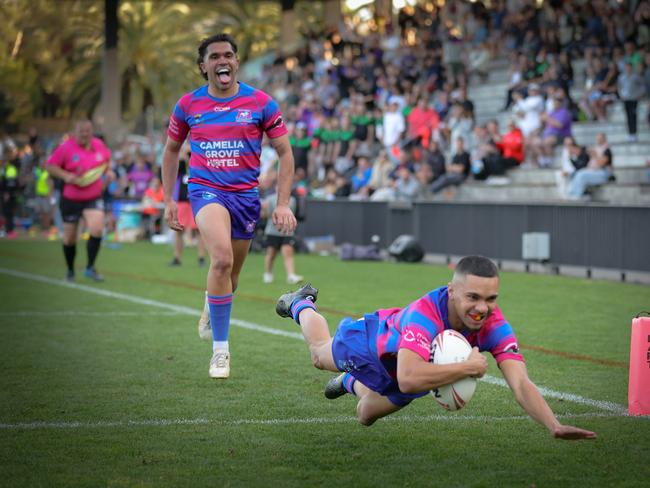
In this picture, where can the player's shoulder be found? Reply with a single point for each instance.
(192, 95)
(260, 96)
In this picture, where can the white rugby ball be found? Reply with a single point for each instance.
(451, 347)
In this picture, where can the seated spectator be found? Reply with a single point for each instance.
(435, 158)
(361, 177)
(486, 157)
(422, 121)
(597, 172)
(379, 186)
(457, 171)
(557, 126)
(511, 144)
(406, 186)
(574, 157)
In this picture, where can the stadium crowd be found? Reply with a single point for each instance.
(388, 117)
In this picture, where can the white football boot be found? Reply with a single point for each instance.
(220, 365)
(205, 331)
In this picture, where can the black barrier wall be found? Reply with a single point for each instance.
(580, 235)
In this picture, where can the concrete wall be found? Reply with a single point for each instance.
(580, 235)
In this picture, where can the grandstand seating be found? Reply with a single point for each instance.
(632, 185)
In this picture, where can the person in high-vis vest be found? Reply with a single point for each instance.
(8, 190)
(44, 201)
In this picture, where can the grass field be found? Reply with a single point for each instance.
(106, 384)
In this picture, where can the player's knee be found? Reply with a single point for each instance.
(363, 415)
(222, 263)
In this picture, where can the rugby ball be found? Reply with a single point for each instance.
(451, 347)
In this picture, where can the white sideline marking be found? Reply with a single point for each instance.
(287, 421)
(614, 408)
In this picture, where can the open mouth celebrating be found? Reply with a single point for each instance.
(224, 75)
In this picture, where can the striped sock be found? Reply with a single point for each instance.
(298, 306)
(348, 383)
(220, 306)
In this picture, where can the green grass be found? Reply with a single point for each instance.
(123, 398)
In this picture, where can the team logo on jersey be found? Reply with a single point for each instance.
(512, 348)
(197, 118)
(250, 227)
(244, 116)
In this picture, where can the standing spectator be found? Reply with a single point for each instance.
(278, 242)
(422, 121)
(393, 125)
(80, 162)
(139, 177)
(44, 203)
(631, 88)
(457, 171)
(597, 172)
(9, 186)
(152, 207)
(301, 147)
(528, 110)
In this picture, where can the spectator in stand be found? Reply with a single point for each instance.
(460, 125)
(528, 110)
(435, 158)
(379, 186)
(597, 172)
(574, 157)
(361, 177)
(422, 121)
(605, 93)
(557, 126)
(345, 146)
(406, 186)
(301, 145)
(457, 171)
(646, 75)
(631, 89)
(392, 127)
(511, 144)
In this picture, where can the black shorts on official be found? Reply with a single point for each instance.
(72, 210)
(276, 242)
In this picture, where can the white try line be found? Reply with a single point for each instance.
(603, 405)
(450, 417)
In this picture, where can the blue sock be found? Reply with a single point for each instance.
(220, 306)
(298, 306)
(348, 383)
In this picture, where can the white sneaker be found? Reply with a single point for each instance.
(220, 365)
(293, 279)
(267, 278)
(205, 331)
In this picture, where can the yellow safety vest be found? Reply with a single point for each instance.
(42, 188)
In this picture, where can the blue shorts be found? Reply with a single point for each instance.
(243, 207)
(355, 351)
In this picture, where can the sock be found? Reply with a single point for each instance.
(220, 306)
(69, 252)
(93, 248)
(220, 346)
(298, 306)
(348, 383)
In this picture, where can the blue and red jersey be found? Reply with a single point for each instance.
(225, 135)
(415, 326)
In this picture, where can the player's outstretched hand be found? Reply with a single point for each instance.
(568, 432)
(171, 216)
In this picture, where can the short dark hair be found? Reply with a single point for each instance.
(476, 266)
(209, 40)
